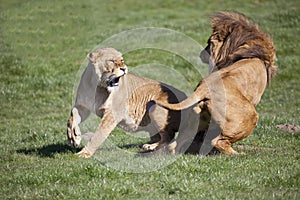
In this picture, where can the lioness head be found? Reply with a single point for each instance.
(235, 38)
(109, 66)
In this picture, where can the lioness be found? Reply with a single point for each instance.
(242, 58)
(123, 100)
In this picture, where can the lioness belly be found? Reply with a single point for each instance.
(128, 125)
(134, 125)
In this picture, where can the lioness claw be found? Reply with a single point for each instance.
(84, 153)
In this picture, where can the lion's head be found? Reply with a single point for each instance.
(109, 66)
(234, 38)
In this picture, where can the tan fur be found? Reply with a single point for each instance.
(242, 57)
(129, 105)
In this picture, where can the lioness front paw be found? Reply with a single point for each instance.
(84, 153)
(73, 132)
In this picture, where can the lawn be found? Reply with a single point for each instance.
(43, 46)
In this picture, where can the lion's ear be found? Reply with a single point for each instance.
(91, 58)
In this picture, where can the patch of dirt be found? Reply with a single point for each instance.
(291, 128)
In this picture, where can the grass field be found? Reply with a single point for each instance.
(42, 47)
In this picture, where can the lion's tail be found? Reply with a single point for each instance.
(188, 102)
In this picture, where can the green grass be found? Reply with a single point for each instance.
(42, 46)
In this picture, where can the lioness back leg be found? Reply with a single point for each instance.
(167, 123)
(163, 130)
(154, 138)
(166, 138)
(237, 126)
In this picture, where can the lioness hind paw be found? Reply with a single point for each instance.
(150, 147)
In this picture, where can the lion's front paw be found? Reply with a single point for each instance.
(84, 153)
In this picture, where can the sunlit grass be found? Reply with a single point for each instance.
(42, 46)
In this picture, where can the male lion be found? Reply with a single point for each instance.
(123, 100)
(242, 58)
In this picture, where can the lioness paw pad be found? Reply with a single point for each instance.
(150, 147)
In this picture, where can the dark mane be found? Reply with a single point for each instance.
(241, 40)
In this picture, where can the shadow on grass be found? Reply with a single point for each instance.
(61, 148)
(49, 150)
(130, 146)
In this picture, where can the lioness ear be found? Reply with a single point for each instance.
(90, 56)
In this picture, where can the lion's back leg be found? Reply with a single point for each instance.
(238, 124)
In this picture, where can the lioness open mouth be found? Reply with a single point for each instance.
(113, 81)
